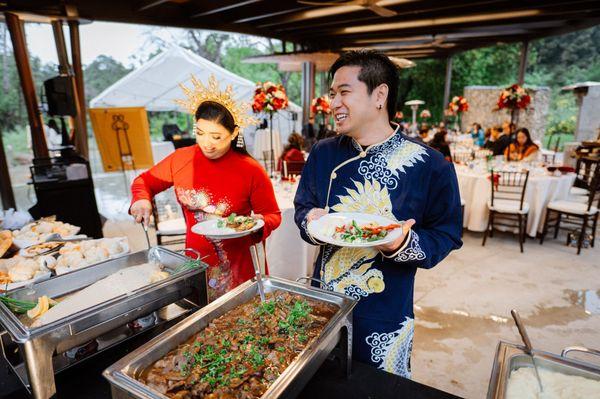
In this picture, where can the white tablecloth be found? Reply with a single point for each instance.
(262, 142)
(475, 190)
(288, 255)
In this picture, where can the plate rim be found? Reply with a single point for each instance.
(331, 241)
(259, 224)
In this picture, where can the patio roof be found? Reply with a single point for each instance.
(417, 28)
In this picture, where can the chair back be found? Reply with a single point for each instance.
(483, 153)
(292, 168)
(594, 192)
(267, 154)
(509, 186)
(549, 159)
(461, 156)
(586, 169)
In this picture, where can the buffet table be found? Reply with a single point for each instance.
(86, 381)
(475, 190)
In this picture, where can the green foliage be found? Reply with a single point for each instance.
(100, 74)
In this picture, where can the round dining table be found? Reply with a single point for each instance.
(542, 188)
(288, 255)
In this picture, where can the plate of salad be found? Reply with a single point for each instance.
(232, 226)
(349, 229)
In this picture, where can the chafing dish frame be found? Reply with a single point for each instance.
(122, 375)
(510, 357)
(38, 345)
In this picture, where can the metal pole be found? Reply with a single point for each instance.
(81, 140)
(447, 83)
(308, 89)
(523, 62)
(6, 191)
(65, 69)
(17, 36)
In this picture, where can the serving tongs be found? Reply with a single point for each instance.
(256, 263)
(527, 342)
(153, 256)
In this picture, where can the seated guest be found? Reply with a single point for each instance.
(501, 140)
(439, 143)
(477, 134)
(423, 135)
(488, 139)
(523, 149)
(292, 152)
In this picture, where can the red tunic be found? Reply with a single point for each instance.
(234, 183)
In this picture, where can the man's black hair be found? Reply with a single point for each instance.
(375, 69)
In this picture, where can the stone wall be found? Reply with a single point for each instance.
(482, 102)
(588, 124)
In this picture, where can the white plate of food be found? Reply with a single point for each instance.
(357, 230)
(232, 226)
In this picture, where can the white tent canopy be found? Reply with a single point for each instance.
(155, 86)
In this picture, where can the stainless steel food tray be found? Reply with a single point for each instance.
(38, 345)
(510, 357)
(122, 375)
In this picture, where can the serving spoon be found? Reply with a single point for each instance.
(527, 342)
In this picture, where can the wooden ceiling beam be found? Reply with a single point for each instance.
(225, 8)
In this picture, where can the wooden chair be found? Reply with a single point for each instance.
(586, 169)
(461, 156)
(174, 229)
(575, 215)
(292, 168)
(507, 206)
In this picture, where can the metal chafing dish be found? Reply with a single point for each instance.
(36, 354)
(122, 375)
(510, 357)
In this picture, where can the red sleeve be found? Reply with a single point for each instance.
(263, 202)
(156, 179)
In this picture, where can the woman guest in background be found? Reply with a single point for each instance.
(439, 143)
(477, 134)
(488, 141)
(292, 152)
(523, 149)
(213, 179)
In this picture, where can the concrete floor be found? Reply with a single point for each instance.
(463, 305)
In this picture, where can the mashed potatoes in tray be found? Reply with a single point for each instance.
(522, 384)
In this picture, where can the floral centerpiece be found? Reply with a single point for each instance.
(514, 97)
(456, 107)
(399, 115)
(320, 106)
(269, 97)
(425, 114)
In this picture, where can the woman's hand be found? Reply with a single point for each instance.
(141, 210)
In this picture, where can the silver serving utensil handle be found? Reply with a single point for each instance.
(255, 262)
(527, 342)
(146, 233)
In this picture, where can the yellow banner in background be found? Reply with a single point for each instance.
(122, 126)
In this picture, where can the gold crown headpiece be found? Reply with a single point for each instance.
(200, 93)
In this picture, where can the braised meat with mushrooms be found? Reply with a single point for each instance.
(241, 353)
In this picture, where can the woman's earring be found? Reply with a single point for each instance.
(240, 141)
(379, 106)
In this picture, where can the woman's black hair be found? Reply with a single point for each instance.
(295, 140)
(529, 141)
(215, 112)
(439, 138)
